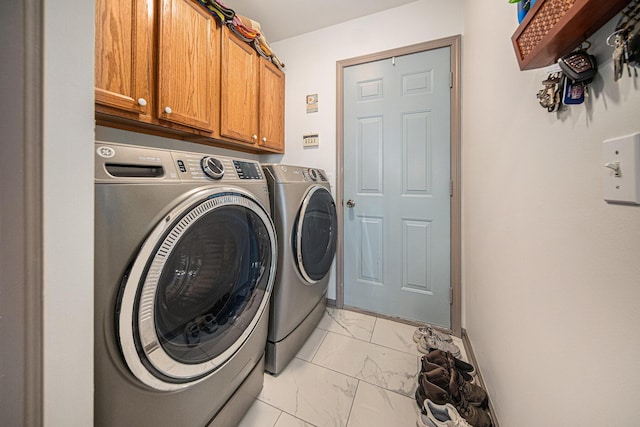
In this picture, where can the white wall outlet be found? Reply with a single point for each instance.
(311, 140)
(621, 175)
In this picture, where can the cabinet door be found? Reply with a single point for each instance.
(271, 106)
(239, 90)
(188, 61)
(123, 65)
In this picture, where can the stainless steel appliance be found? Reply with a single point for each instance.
(306, 223)
(185, 257)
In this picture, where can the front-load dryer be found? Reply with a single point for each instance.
(185, 257)
(304, 214)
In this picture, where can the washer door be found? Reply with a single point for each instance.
(315, 234)
(197, 288)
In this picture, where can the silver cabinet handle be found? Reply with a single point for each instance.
(142, 102)
(350, 203)
(167, 110)
(264, 139)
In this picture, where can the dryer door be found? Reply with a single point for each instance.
(197, 288)
(315, 234)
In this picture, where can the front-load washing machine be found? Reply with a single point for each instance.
(304, 214)
(185, 258)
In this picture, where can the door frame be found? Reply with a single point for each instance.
(21, 213)
(454, 43)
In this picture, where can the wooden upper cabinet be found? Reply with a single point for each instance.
(188, 65)
(271, 109)
(123, 55)
(239, 90)
(169, 68)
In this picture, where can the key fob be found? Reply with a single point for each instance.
(573, 93)
(579, 66)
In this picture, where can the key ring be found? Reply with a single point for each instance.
(612, 35)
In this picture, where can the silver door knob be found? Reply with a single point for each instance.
(350, 203)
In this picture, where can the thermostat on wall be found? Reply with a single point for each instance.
(310, 140)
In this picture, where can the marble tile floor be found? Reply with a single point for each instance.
(355, 370)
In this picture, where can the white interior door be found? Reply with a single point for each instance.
(397, 186)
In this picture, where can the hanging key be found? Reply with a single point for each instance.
(618, 58)
(625, 46)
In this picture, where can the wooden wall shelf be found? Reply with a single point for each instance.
(553, 28)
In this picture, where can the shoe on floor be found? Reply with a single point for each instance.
(426, 331)
(477, 417)
(445, 359)
(440, 416)
(429, 343)
(472, 393)
(426, 366)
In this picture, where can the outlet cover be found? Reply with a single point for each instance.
(621, 177)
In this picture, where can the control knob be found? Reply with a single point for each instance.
(212, 167)
(313, 173)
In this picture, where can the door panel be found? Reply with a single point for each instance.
(124, 41)
(397, 171)
(187, 65)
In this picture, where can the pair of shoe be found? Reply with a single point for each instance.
(449, 388)
(428, 331)
(448, 361)
(440, 416)
(428, 343)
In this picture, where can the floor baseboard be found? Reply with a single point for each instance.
(472, 359)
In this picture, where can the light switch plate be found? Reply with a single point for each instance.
(621, 177)
(310, 140)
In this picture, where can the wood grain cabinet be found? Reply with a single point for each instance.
(181, 93)
(123, 57)
(251, 97)
(239, 90)
(271, 107)
(188, 71)
(167, 67)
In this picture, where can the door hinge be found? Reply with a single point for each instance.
(451, 79)
(451, 188)
(451, 295)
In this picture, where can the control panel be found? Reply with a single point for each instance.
(313, 175)
(247, 170)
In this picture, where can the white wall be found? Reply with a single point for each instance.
(311, 68)
(68, 213)
(551, 271)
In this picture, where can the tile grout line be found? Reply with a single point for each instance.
(352, 402)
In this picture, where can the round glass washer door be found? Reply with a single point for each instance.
(315, 234)
(197, 288)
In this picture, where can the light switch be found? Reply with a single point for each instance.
(621, 161)
(310, 140)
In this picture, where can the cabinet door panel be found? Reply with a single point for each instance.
(124, 40)
(271, 106)
(187, 67)
(239, 94)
